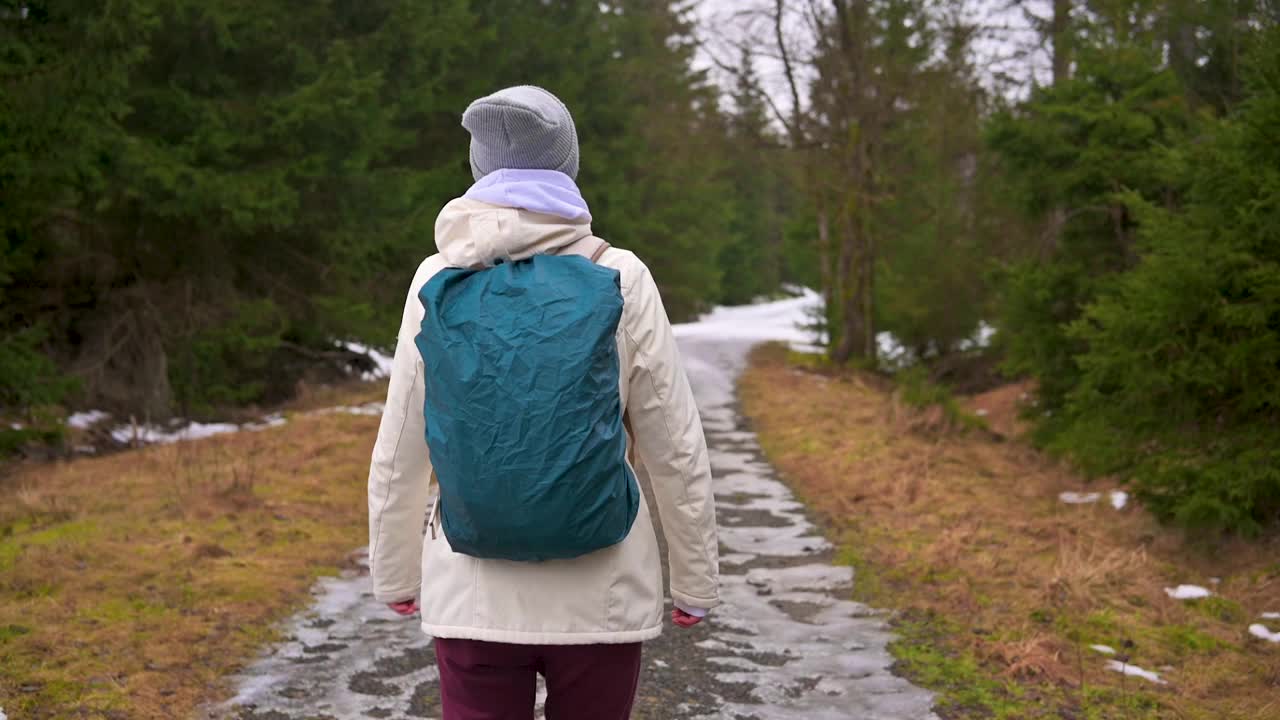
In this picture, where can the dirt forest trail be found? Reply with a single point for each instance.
(787, 643)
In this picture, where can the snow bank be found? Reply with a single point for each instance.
(981, 337)
(791, 321)
(1075, 498)
(1135, 671)
(372, 409)
(154, 435)
(1187, 592)
(85, 420)
(381, 361)
(781, 320)
(1262, 632)
(1117, 498)
(270, 421)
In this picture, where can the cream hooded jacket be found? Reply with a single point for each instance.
(612, 595)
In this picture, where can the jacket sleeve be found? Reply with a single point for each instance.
(670, 444)
(399, 474)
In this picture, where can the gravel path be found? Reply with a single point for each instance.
(785, 645)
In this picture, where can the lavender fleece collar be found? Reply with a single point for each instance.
(544, 191)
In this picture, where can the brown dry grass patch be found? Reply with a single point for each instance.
(130, 585)
(968, 529)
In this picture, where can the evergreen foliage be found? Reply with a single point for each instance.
(1148, 302)
(200, 197)
(1180, 382)
(1072, 151)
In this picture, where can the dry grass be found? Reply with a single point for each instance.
(131, 584)
(967, 529)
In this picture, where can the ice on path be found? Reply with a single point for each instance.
(1135, 671)
(1104, 649)
(1261, 631)
(1187, 592)
(788, 643)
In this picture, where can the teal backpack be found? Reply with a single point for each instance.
(523, 417)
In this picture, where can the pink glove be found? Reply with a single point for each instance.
(684, 619)
(404, 607)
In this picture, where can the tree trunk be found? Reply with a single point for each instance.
(122, 360)
(1060, 33)
(824, 261)
(851, 270)
(854, 271)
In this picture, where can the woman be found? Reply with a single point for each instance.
(580, 621)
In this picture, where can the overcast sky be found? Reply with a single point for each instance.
(1006, 52)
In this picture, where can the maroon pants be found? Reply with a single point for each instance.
(497, 681)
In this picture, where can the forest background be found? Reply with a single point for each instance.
(199, 199)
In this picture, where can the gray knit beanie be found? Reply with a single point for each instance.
(521, 128)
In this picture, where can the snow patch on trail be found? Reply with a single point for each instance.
(1104, 649)
(787, 623)
(340, 638)
(1270, 616)
(2, 715)
(1135, 671)
(1188, 592)
(787, 640)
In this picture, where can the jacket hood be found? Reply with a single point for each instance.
(472, 233)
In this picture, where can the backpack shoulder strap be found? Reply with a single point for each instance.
(589, 247)
(592, 248)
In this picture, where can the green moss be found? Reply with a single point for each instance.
(1114, 703)
(118, 610)
(1219, 608)
(867, 583)
(73, 532)
(8, 632)
(815, 361)
(1042, 616)
(965, 689)
(1187, 640)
